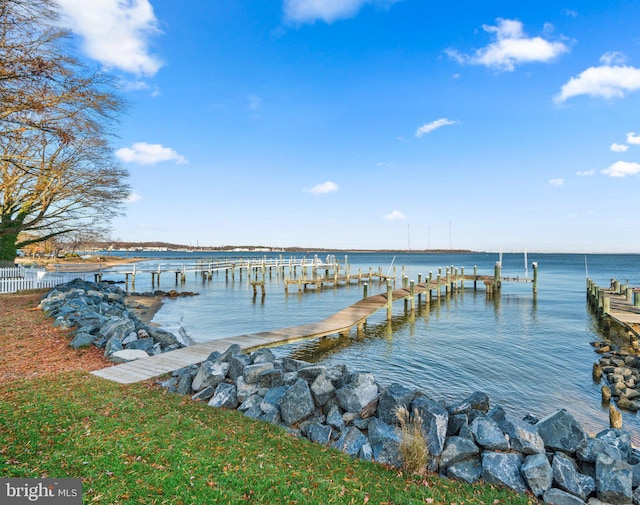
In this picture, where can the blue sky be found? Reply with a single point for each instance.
(375, 124)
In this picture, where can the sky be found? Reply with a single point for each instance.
(374, 124)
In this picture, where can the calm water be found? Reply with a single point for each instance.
(530, 355)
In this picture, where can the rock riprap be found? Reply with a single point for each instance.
(99, 316)
(553, 458)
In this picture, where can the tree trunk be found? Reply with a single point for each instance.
(8, 249)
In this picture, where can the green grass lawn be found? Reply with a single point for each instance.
(137, 444)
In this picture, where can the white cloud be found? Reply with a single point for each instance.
(308, 11)
(613, 58)
(254, 103)
(323, 188)
(114, 32)
(622, 169)
(556, 182)
(619, 148)
(632, 138)
(396, 215)
(133, 198)
(434, 125)
(143, 153)
(607, 81)
(586, 173)
(570, 13)
(511, 47)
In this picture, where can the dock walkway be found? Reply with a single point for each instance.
(339, 323)
(617, 303)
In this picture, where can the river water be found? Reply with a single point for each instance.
(529, 354)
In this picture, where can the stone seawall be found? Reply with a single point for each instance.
(553, 458)
(99, 316)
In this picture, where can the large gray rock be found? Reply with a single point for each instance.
(128, 355)
(251, 373)
(357, 393)
(488, 434)
(614, 480)
(523, 437)
(504, 469)
(351, 441)
(271, 378)
(457, 449)
(568, 478)
(618, 438)
(537, 473)
(142, 344)
(251, 402)
(556, 496)
(561, 432)
(322, 389)
(118, 327)
(469, 470)
(209, 374)
(293, 365)
(309, 373)
(392, 398)
(271, 400)
(236, 365)
(319, 433)
(263, 355)
(245, 390)
(82, 339)
(385, 442)
(164, 337)
(435, 420)
(224, 396)
(477, 401)
(114, 344)
(297, 403)
(593, 447)
(334, 419)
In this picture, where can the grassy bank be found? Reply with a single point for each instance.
(138, 444)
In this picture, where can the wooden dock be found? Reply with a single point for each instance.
(618, 303)
(340, 323)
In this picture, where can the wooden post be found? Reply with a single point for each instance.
(365, 291)
(412, 288)
(636, 298)
(535, 277)
(496, 276)
(629, 294)
(461, 277)
(606, 306)
(389, 299)
(438, 279)
(475, 275)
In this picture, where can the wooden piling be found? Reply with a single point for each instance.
(389, 300)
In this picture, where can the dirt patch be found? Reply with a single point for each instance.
(145, 307)
(30, 346)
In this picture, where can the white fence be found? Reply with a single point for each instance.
(20, 279)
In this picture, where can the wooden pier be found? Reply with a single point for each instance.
(340, 323)
(618, 303)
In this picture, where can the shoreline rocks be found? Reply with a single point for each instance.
(100, 316)
(553, 458)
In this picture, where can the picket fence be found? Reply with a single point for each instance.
(17, 279)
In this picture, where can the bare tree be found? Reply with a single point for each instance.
(57, 170)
